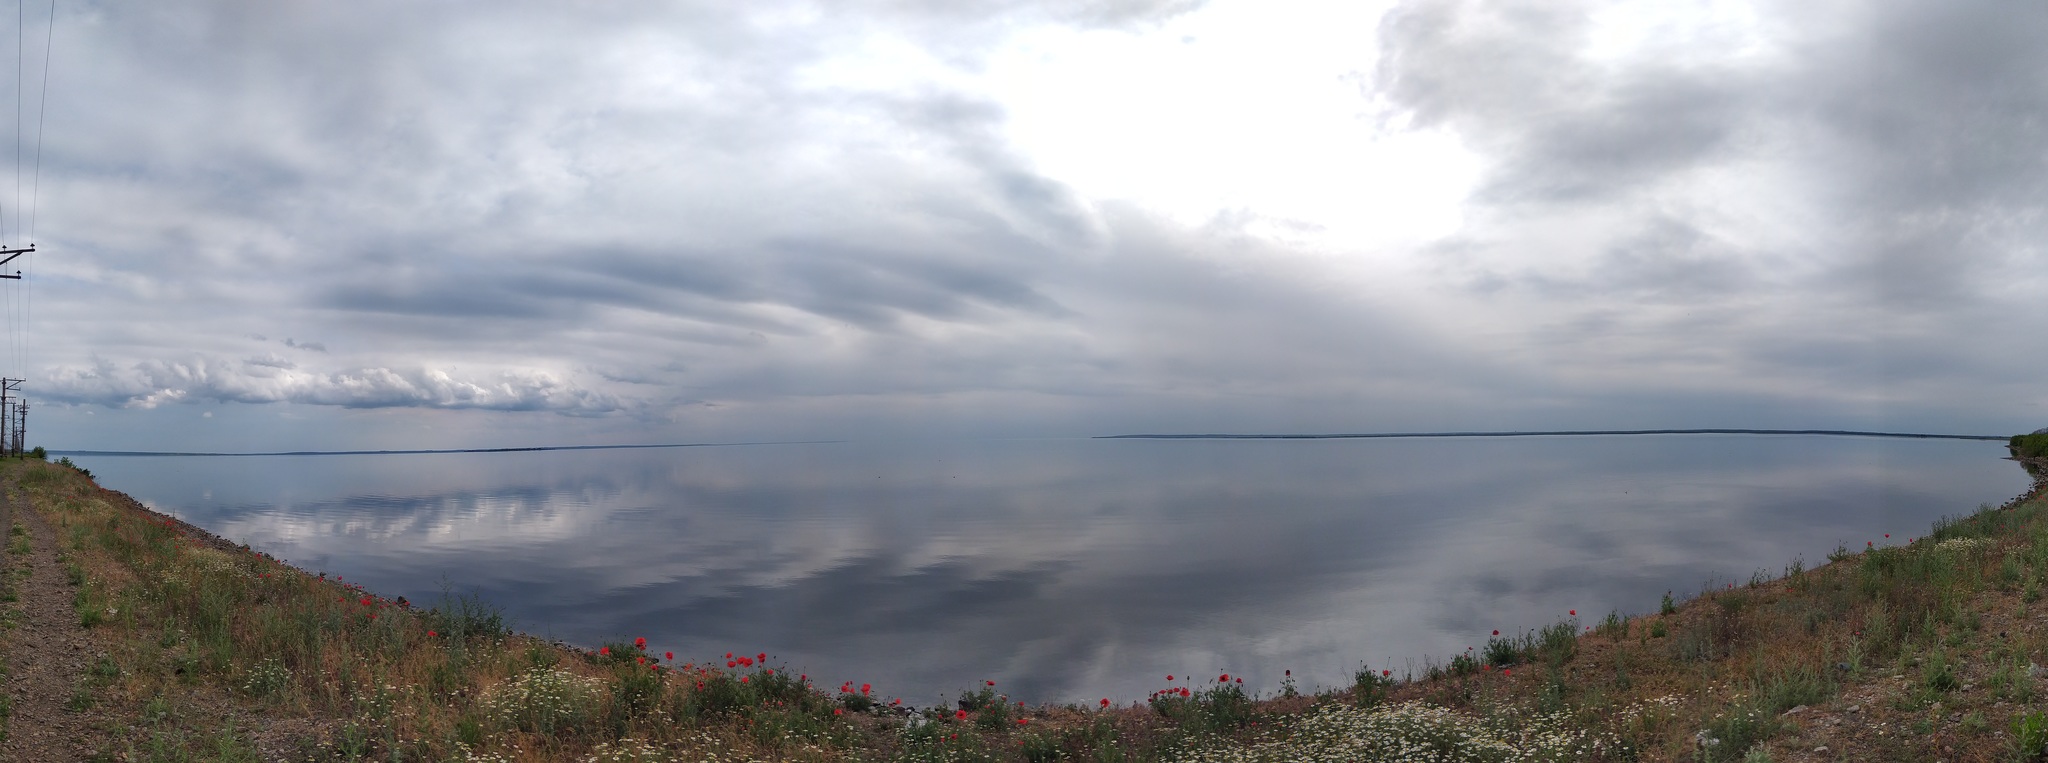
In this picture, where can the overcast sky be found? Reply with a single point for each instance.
(397, 224)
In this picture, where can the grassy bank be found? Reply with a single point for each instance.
(1909, 649)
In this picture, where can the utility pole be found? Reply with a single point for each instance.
(13, 413)
(13, 418)
(11, 254)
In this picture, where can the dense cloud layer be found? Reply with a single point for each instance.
(809, 218)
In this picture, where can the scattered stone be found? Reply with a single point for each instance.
(1842, 666)
(1967, 687)
(1855, 708)
(2033, 671)
(1822, 748)
(1704, 740)
(1796, 710)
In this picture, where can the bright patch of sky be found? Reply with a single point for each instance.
(1256, 113)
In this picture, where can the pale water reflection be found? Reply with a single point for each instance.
(1075, 569)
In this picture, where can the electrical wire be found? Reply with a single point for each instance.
(36, 186)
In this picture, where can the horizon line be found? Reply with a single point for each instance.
(1553, 433)
(1211, 436)
(430, 451)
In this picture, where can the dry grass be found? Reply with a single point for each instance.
(1931, 641)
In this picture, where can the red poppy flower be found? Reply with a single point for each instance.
(728, 655)
(1887, 535)
(863, 688)
(1105, 702)
(805, 678)
(1575, 613)
(668, 655)
(1022, 721)
(1223, 679)
(1169, 677)
(640, 643)
(604, 650)
(642, 660)
(763, 657)
(838, 711)
(1184, 691)
(731, 664)
(1507, 671)
(431, 634)
(960, 714)
(896, 702)
(743, 679)
(770, 671)
(1385, 673)
(991, 683)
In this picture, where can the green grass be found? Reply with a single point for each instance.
(439, 683)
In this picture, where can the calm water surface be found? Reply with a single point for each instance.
(1069, 570)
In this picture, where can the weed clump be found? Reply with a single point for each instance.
(544, 701)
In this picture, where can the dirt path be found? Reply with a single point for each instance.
(47, 652)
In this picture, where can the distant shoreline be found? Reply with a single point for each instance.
(428, 451)
(1339, 436)
(1558, 433)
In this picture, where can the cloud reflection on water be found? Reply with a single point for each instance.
(1073, 569)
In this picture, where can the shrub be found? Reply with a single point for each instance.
(544, 701)
(1369, 688)
(267, 678)
(2030, 736)
(2029, 445)
(465, 617)
(1560, 643)
(1222, 707)
(1730, 735)
(1614, 626)
(1791, 688)
(1508, 651)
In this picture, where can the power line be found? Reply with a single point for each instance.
(36, 184)
(42, 113)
